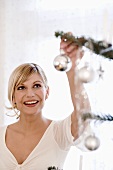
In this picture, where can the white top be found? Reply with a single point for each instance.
(50, 151)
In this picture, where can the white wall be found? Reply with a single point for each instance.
(2, 59)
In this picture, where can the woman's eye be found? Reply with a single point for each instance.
(20, 88)
(37, 85)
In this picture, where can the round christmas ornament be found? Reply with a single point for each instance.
(92, 143)
(86, 74)
(62, 63)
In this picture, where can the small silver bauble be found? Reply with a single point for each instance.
(92, 143)
(62, 63)
(86, 74)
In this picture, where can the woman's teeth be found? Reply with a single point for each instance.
(31, 102)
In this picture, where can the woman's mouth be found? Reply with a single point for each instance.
(31, 102)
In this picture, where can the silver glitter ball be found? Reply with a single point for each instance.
(92, 143)
(86, 74)
(62, 63)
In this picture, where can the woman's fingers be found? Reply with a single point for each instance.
(71, 49)
(75, 53)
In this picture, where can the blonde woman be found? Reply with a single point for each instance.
(35, 142)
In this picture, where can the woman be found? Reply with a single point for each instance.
(35, 142)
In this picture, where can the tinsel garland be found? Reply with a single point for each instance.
(98, 47)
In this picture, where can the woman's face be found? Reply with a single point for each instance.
(30, 96)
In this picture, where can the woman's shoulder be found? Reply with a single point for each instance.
(4, 127)
(11, 125)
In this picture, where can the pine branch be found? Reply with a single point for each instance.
(95, 117)
(98, 47)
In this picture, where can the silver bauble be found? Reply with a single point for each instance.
(62, 63)
(92, 143)
(86, 74)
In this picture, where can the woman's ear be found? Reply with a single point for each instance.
(47, 92)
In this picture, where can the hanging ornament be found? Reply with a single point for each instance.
(86, 74)
(100, 72)
(92, 143)
(62, 63)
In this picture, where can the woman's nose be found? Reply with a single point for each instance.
(30, 93)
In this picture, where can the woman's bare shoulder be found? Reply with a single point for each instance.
(12, 127)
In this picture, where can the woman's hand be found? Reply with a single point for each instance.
(73, 51)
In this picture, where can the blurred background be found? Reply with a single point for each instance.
(27, 35)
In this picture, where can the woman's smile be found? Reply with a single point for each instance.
(31, 103)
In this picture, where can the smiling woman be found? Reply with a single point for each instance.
(35, 140)
(23, 37)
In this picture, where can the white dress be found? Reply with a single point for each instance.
(50, 151)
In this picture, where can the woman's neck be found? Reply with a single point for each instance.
(31, 124)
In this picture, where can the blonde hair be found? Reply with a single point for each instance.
(20, 75)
